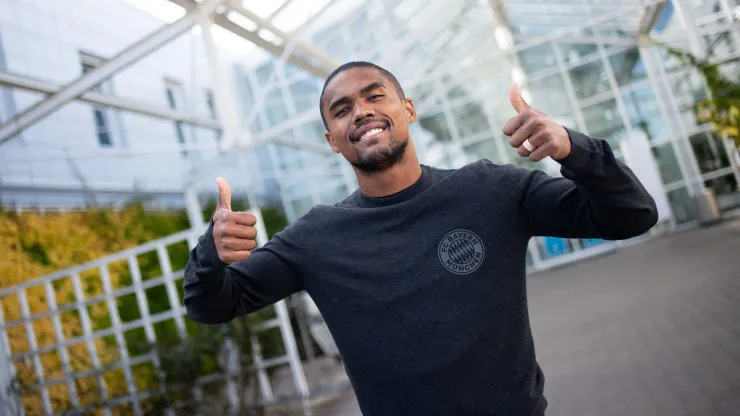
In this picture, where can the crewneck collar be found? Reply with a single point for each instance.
(421, 184)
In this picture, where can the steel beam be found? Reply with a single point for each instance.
(305, 48)
(124, 59)
(12, 80)
(253, 37)
(539, 40)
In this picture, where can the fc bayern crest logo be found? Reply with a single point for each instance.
(461, 251)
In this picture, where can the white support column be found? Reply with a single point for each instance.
(86, 82)
(193, 208)
(686, 13)
(225, 102)
(651, 60)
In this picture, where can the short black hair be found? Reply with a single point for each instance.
(358, 64)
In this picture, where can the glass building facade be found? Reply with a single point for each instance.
(582, 64)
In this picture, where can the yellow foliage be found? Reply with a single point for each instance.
(34, 245)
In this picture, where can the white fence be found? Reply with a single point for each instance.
(20, 346)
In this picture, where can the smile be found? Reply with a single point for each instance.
(370, 133)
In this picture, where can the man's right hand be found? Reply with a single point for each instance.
(233, 232)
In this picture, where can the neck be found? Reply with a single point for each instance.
(392, 180)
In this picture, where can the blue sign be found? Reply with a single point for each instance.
(555, 246)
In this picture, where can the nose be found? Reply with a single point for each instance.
(364, 112)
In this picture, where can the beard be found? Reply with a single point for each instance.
(377, 160)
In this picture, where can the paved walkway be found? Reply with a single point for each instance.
(653, 329)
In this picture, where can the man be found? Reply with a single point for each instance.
(420, 274)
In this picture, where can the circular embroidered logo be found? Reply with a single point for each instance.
(461, 251)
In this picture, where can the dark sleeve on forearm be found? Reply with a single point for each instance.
(597, 197)
(216, 292)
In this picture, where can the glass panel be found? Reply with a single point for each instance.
(550, 96)
(681, 205)
(644, 114)
(589, 79)
(665, 157)
(710, 152)
(469, 119)
(437, 126)
(485, 149)
(726, 190)
(574, 54)
(603, 121)
(537, 58)
(627, 67)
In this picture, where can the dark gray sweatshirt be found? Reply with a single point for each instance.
(424, 291)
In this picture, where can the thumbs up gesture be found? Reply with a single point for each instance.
(533, 134)
(233, 232)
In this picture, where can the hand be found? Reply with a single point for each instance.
(533, 128)
(233, 232)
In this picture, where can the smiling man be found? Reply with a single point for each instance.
(420, 273)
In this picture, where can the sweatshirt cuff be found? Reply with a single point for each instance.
(208, 248)
(581, 160)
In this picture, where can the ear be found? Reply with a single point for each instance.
(408, 105)
(332, 142)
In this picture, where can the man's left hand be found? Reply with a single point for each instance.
(533, 134)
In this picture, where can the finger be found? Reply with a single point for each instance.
(515, 97)
(224, 193)
(235, 256)
(522, 151)
(541, 153)
(237, 244)
(240, 231)
(524, 132)
(243, 218)
(515, 123)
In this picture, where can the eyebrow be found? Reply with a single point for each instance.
(344, 100)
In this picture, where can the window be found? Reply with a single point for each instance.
(175, 100)
(103, 129)
(211, 102)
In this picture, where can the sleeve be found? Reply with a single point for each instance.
(597, 196)
(215, 292)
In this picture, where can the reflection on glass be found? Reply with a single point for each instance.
(485, 149)
(537, 58)
(667, 163)
(469, 119)
(589, 79)
(644, 113)
(549, 95)
(710, 152)
(681, 205)
(726, 190)
(574, 53)
(627, 67)
(603, 122)
(437, 126)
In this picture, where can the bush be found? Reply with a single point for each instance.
(34, 245)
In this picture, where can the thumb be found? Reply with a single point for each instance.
(224, 194)
(516, 99)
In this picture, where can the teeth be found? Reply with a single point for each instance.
(370, 133)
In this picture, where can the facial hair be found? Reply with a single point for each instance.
(381, 159)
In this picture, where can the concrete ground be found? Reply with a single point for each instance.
(653, 329)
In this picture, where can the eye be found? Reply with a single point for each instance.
(375, 96)
(340, 112)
